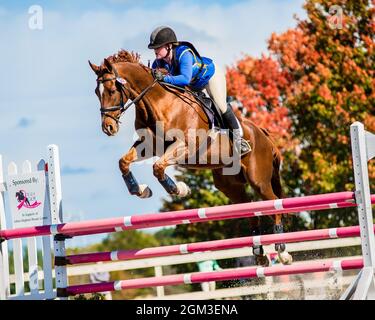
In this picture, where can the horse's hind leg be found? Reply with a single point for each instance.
(258, 252)
(266, 192)
(231, 186)
(235, 190)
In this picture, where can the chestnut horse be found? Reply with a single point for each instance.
(122, 77)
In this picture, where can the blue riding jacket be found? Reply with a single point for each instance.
(186, 70)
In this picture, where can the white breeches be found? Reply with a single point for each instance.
(217, 89)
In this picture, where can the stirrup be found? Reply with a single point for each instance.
(245, 147)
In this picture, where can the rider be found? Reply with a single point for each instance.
(187, 68)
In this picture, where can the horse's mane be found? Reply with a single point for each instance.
(125, 56)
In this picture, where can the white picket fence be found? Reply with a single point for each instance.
(51, 168)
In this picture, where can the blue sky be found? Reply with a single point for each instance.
(112, 4)
(47, 88)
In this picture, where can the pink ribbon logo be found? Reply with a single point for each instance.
(24, 201)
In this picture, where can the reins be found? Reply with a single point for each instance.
(122, 107)
(120, 82)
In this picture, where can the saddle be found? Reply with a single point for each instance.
(215, 120)
(209, 107)
(211, 110)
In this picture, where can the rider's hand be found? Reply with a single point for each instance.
(158, 75)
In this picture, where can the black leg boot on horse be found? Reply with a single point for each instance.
(241, 145)
(140, 190)
(284, 256)
(260, 258)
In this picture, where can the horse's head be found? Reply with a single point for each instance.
(111, 94)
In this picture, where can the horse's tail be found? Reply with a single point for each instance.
(275, 179)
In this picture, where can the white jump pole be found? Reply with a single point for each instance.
(363, 150)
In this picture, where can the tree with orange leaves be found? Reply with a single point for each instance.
(317, 79)
(261, 86)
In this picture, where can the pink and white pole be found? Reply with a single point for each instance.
(253, 209)
(215, 245)
(198, 277)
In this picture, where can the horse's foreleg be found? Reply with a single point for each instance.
(173, 155)
(142, 191)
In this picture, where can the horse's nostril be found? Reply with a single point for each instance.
(110, 128)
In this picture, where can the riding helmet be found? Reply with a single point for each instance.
(161, 36)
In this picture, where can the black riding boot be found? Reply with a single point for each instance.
(232, 124)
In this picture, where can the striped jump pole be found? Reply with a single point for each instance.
(226, 216)
(252, 209)
(344, 232)
(199, 277)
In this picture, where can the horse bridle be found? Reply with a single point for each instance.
(120, 82)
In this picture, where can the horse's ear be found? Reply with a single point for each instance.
(108, 65)
(94, 67)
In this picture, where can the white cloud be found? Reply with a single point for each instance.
(46, 78)
(46, 59)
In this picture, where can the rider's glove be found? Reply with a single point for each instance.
(158, 75)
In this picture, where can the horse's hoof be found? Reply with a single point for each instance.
(280, 247)
(262, 261)
(145, 191)
(285, 257)
(183, 189)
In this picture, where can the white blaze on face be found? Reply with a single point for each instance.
(101, 90)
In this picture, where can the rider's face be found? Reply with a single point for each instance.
(161, 52)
